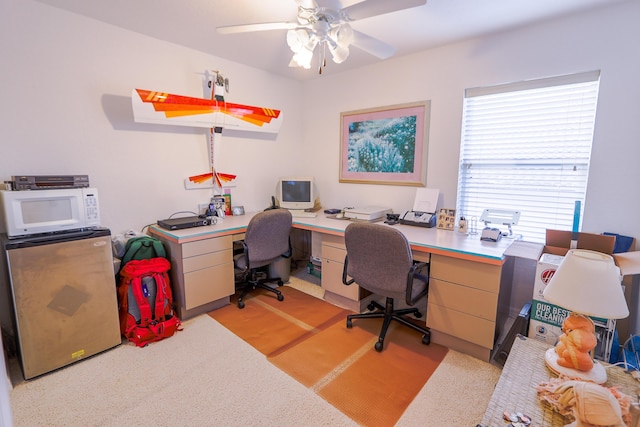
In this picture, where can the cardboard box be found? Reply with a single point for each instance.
(545, 323)
(558, 242)
(546, 319)
(547, 265)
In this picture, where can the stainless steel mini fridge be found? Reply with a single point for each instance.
(64, 295)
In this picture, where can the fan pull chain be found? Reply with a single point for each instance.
(323, 58)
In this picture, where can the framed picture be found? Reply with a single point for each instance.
(446, 219)
(385, 145)
(227, 204)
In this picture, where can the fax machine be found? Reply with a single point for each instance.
(421, 219)
(424, 209)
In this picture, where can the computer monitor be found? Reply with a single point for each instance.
(296, 193)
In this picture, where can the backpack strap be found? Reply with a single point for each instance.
(165, 308)
(158, 247)
(156, 268)
(134, 247)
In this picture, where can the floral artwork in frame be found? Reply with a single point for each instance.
(385, 145)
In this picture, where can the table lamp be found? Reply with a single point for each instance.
(587, 283)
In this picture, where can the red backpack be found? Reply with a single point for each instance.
(145, 301)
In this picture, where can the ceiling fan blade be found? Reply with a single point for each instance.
(369, 8)
(247, 28)
(373, 46)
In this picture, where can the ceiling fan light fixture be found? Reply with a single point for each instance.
(330, 28)
(342, 34)
(297, 39)
(302, 58)
(338, 53)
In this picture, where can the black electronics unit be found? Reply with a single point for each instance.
(421, 219)
(48, 182)
(183, 222)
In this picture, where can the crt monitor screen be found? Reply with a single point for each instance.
(296, 193)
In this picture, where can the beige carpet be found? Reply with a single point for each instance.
(207, 376)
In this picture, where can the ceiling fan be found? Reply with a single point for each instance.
(326, 28)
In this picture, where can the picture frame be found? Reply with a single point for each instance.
(222, 204)
(385, 145)
(227, 204)
(446, 219)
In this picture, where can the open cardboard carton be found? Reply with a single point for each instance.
(558, 242)
(546, 318)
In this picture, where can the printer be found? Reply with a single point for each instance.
(367, 213)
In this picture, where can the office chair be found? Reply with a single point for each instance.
(266, 240)
(379, 260)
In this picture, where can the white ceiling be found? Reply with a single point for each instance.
(192, 23)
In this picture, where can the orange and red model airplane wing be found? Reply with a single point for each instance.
(161, 107)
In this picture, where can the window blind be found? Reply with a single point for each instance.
(526, 146)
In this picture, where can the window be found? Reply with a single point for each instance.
(526, 146)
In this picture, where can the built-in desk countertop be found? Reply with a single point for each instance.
(422, 239)
(469, 288)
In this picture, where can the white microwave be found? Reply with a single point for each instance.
(32, 212)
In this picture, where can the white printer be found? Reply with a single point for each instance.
(367, 213)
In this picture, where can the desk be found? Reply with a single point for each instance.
(523, 371)
(469, 279)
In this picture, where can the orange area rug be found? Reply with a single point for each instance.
(307, 338)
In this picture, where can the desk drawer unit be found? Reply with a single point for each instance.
(208, 271)
(463, 299)
(333, 253)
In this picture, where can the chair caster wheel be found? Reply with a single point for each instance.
(280, 297)
(280, 283)
(417, 315)
(349, 324)
(240, 304)
(371, 306)
(426, 339)
(378, 346)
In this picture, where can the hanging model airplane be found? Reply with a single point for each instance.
(165, 108)
(215, 113)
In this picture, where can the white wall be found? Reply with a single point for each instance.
(66, 85)
(605, 39)
(66, 102)
(66, 82)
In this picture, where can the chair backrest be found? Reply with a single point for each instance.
(267, 237)
(379, 258)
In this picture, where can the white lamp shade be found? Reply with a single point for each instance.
(589, 283)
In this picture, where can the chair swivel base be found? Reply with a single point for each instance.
(388, 314)
(262, 284)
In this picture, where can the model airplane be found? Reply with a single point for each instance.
(165, 108)
(215, 113)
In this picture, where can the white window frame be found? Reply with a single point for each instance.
(526, 146)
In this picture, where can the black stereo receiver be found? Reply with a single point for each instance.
(183, 222)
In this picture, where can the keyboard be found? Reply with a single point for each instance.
(302, 214)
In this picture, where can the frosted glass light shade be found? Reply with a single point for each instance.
(588, 282)
(338, 53)
(302, 58)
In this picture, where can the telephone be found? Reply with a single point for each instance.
(421, 219)
(490, 234)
